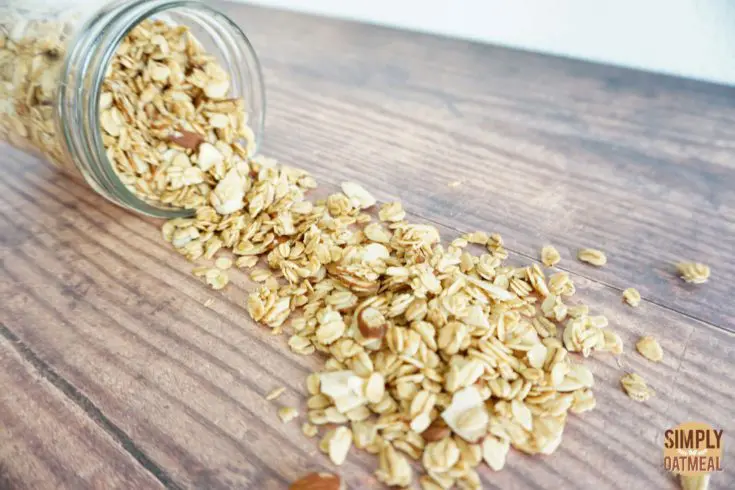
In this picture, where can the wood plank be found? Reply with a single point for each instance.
(546, 150)
(48, 441)
(126, 323)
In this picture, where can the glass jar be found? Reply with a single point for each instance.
(54, 57)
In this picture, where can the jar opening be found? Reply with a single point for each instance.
(87, 65)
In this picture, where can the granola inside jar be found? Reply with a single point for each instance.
(153, 103)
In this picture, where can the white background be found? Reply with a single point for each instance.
(692, 38)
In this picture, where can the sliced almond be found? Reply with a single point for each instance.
(372, 323)
(464, 400)
(209, 156)
(318, 481)
(437, 431)
(186, 139)
(358, 195)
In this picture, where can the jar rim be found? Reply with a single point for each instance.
(84, 74)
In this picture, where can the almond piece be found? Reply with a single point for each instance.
(437, 431)
(186, 139)
(318, 481)
(372, 323)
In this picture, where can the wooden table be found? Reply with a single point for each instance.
(115, 374)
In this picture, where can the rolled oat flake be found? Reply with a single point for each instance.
(133, 97)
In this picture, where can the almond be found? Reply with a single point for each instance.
(372, 323)
(317, 481)
(437, 431)
(187, 139)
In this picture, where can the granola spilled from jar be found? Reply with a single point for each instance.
(434, 354)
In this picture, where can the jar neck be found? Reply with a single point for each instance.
(85, 69)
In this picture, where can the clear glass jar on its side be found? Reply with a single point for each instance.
(54, 56)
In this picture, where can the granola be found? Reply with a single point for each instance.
(592, 256)
(287, 414)
(550, 256)
(693, 272)
(650, 349)
(431, 350)
(632, 297)
(434, 354)
(170, 132)
(33, 49)
(636, 387)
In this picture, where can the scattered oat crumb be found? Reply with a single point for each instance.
(550, 256)
(223, 263)
(209, 302)
(649, 348)
(592, 256)
(636, 387)
(632, 297)
(275, 393)
(309, 430)
(693, 272)
(217, 278)
(246, 262)
(287, 414)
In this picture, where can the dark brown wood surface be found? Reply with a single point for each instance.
(104, 333)
(48, 439)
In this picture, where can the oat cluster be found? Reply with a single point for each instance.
(636, 387)
(693, 272)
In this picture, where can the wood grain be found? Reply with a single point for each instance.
(546, 150)
(126, 323)
(48, 441)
